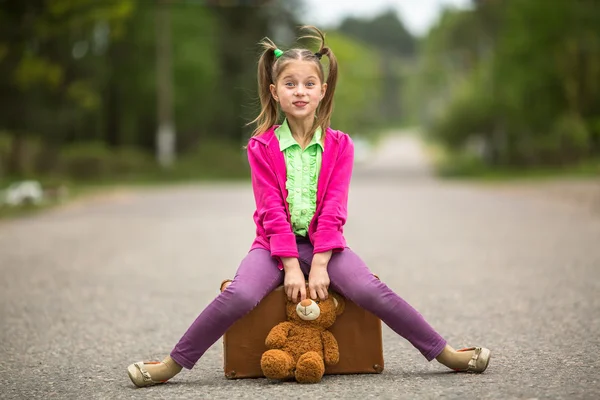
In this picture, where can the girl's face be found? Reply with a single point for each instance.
(299, 89)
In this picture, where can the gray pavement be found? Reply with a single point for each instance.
(89, 288)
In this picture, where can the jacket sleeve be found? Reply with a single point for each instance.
(270, 204)
(334, 212)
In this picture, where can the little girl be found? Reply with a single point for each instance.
(301, 174)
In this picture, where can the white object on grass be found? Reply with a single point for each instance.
(24, 192)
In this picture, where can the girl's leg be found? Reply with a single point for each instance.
(256, 277)
(351, 278)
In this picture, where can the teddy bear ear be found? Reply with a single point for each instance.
(340, 303)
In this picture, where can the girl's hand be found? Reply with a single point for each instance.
(318, 279)
(294, 283)
(318, 282)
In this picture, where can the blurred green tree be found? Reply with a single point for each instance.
(385, 33)
(519, 77)
(78, 79)
(52, 69)
(85, 71)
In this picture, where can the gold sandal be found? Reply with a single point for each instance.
(139, 376)
(480, 360)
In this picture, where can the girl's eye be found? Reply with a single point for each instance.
(310, 84)
(289, 84)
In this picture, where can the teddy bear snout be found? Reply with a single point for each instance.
(308, 310)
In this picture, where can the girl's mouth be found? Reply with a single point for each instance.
(299, 103)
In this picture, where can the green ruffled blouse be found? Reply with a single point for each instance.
(303, 167)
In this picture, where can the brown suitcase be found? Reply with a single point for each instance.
(357, 331)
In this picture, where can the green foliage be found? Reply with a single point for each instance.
(470, 113)
(384, 31)
(196, 73)
(52, 72)
(520, 76)
(464, 163)
(384, 41)
(129, 161)
(78, 84)
(568, 139)
(84, 71)
(32, 71)
(357, 97)
(5, 149)
(470, 166)
(214, 159)
(87, 160)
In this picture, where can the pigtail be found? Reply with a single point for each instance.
(325, 109)
(269, 111)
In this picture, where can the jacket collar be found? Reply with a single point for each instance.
(286, 140)
(270, 139)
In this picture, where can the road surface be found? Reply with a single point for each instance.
(93, 286)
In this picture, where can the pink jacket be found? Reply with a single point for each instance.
(272, 216)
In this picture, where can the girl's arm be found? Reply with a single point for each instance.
(334, 212)
(270, 205)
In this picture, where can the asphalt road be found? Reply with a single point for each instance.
(91, 287)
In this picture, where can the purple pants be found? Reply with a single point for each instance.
(258, 275)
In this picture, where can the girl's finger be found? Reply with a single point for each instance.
(295, 292)
(302, 292)
(313, 293)
(322, 293)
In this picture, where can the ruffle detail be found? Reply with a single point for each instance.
(301, 184)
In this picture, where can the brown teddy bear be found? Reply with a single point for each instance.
(301, 346)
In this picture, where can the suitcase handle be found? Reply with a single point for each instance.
(224, 284)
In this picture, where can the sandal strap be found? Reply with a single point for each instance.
(145, 374)
(473, 361)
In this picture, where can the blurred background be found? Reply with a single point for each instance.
(105, 92)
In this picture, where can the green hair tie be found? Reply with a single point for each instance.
(278, 53)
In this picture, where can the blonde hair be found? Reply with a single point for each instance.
(269, 69)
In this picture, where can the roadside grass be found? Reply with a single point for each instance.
(465, 166)
(214, 163)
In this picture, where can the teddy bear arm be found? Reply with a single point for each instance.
(278, 335)
(331, 350)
